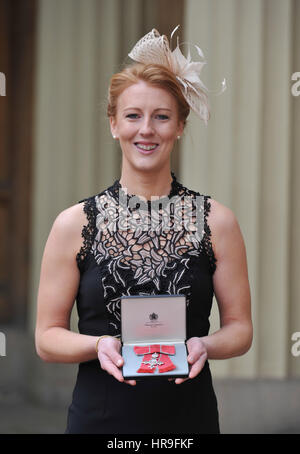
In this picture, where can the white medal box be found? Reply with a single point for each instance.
(153, 336)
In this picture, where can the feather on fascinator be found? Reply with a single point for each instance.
(154, 48)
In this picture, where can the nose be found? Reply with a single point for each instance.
(146, 126)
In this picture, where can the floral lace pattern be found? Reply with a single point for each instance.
(145, 247)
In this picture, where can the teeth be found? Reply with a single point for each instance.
(146, 147)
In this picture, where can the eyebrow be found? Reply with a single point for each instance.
(137, 108)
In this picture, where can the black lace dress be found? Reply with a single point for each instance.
(133, 247)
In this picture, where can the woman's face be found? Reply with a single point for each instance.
(147, 125)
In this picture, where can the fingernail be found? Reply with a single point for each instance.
(119, 362)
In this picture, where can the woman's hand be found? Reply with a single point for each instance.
(197, 355)
(110, 359)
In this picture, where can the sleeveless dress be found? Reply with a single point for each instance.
(130, 248)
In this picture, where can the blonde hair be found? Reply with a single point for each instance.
(156, 75)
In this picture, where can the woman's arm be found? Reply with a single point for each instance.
(59, 280)
(231, 287)
(232, 291)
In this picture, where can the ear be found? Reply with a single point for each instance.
(113, 126)
(180, 128)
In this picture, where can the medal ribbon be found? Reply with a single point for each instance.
(163, 351)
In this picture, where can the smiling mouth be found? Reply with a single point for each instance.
(146, 147)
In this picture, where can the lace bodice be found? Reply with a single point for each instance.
(144, 247)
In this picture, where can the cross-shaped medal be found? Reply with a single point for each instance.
(152, 363)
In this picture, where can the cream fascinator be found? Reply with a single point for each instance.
(154, 48)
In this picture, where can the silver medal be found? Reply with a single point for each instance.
(153, 362)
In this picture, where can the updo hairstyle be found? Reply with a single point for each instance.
(155, 75)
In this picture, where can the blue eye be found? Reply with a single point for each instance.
(132, 116)
(162, 117)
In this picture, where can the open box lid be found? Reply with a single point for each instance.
(149, 318)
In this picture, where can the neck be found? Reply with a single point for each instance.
(147, 184)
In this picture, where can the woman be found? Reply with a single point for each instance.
(90, 257)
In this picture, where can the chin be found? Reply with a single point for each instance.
(149, 163)
(149, 166)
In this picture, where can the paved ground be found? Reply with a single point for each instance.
(20, 416)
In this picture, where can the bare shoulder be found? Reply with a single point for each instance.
(224, 227)
(221, 216)
(67, 228)
(71, 219)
